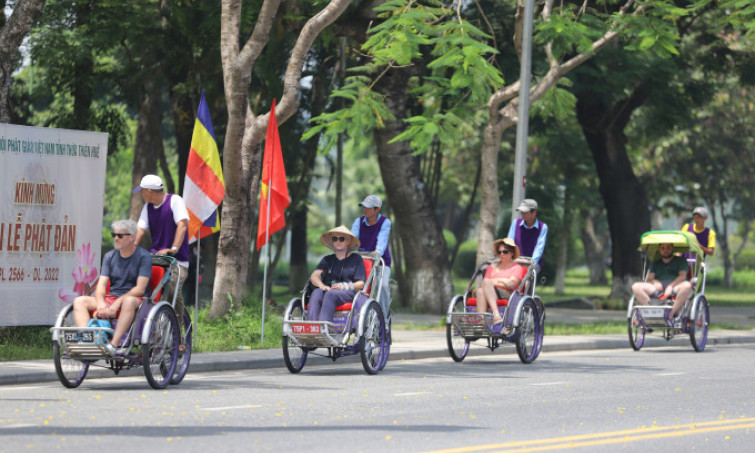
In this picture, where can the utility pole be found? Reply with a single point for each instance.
(523, 112)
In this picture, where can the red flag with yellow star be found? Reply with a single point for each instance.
(273, 188)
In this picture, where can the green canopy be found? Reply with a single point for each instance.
(683, 241)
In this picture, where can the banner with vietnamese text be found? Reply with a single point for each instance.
(52, 185)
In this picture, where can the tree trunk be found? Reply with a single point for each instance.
(13, 30)
(245, 132)
(489, 198)
(623, 195)
(427, 273)
(149, 141)
(183, 114)
(563, 244)
(82, 76)
(593, 248)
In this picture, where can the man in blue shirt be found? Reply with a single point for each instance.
(373, 230)
(528, 233)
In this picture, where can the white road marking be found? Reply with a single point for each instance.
(228, 408)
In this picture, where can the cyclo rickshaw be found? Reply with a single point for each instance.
(152, 341)
(694, 315)
(523, 318)
(371, 340)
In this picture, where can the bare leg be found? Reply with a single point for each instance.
(491, 298)
(482, 305)
(82, 307)
(128, 311)
(642, 292)
(682, 293)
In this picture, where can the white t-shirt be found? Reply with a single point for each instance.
(177, 206)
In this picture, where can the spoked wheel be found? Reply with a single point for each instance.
(541, 320)
(294, 356)
(698, 332)
(372, 344)
(529, 336)
(636, 330)
(388, 341)
(458, 346)
(160, 353)
(184, 357)
(71, 372)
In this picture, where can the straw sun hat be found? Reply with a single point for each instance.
(509, 243)
(339, 231)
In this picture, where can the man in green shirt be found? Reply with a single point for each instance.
(666, 276)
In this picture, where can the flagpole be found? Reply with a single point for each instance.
(267, 251)
(196, 289)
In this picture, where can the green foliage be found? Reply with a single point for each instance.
(450, 239)
(464, 265)
(460, 77)
(746, 260)
(25, 343)
(242, 326)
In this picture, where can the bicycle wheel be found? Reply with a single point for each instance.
(698, 333)
(458, 346)
(372, 344)
(528, 332)
(294, 356)
(184, 357)
(160, 353)
(636, 330)
(71, 372)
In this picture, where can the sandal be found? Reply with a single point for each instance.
(497, 320)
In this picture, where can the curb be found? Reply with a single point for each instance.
(38, 371)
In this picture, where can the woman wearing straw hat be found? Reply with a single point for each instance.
(501, 278)
(338, 277)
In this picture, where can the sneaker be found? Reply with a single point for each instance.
(111, 350)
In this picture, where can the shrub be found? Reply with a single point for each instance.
(465, 260)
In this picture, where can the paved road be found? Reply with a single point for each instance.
(416, 344)
(664, 398)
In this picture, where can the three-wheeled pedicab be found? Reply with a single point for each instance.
(693, 318)
(372, 338)
(152, 340)
(523, 318)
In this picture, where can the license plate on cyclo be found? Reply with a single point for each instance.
(652, 312)
(306, 328)
(469, 319)
(76, 337)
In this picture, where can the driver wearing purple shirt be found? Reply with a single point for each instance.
(373, 230)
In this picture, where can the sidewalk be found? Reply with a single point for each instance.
(420, 344)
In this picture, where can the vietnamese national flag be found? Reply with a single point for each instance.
(273, 185)
(204, 186)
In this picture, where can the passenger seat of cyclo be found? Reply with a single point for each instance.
(158, 272)
(367, 269)
(472, 301)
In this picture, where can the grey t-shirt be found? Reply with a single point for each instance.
(123, 272)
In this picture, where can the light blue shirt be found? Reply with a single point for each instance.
(540, 245)
(382, 239)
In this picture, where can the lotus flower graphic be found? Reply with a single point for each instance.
(85, 275)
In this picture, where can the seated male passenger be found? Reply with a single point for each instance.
(128, 268)
(667, 276)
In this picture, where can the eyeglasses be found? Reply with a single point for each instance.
(120, 235)
(504, 252)
(337, 238)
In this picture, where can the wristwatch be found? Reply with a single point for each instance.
(174, 249)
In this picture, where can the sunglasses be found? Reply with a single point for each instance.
(504, 252)
(338, 238)
(120, 235)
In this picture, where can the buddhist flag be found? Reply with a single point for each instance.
(204, 186)
(273, 187)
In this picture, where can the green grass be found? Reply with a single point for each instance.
(242, 327)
